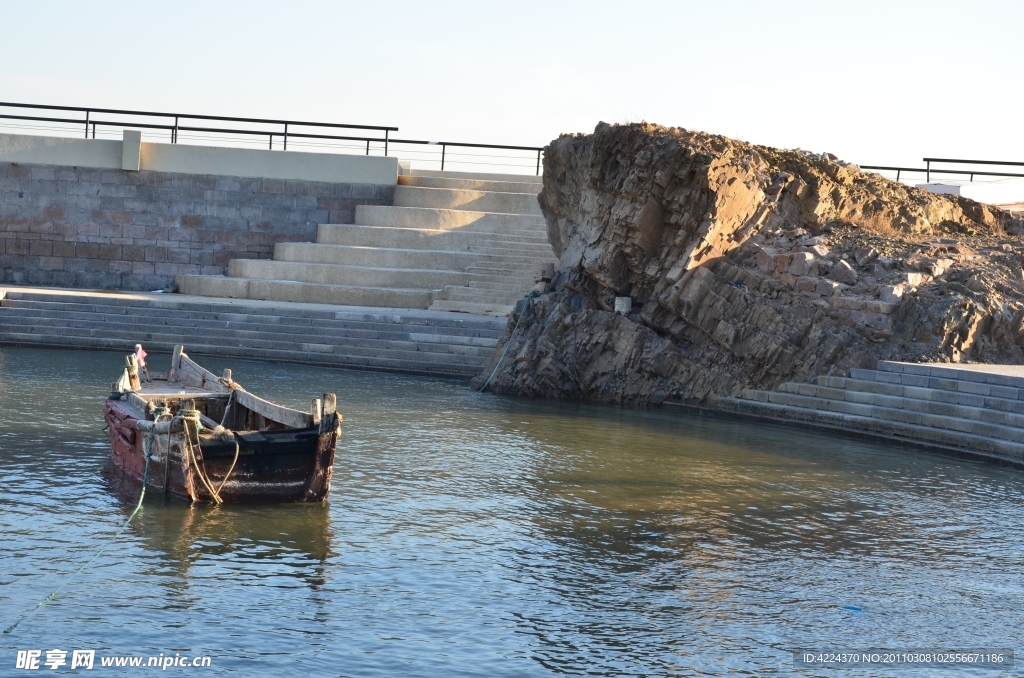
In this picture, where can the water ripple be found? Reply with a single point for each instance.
(476, 535)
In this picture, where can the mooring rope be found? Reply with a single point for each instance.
(193, 416)
(526, 306)
(142, 494)
(232, 468)
(219, 432)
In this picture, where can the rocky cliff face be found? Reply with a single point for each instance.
(748, 266)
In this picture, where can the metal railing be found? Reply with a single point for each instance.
(173, 128)
(928, 170)
(444, 148)
(173, 123)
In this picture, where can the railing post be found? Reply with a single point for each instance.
(93, 130)
(928, 172)
(897, 175)
(367, 147)
(385, 143)
(174, 132)
(87, 124)
(286, 136)
(443, 147)
(271, 141)
(538, 163)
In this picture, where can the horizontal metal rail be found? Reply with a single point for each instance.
(927, 171)
(928, 162)
(266, 121)
(975, 162)
(178, 117)
(444, 147)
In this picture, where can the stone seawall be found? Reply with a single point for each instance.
(114, 229)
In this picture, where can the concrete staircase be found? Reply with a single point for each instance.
(452, 241)
(973, 409)
(416, 342)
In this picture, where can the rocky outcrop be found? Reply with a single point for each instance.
(747, 266)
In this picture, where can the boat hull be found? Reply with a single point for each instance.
(275, 466)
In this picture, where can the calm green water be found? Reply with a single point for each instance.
(487, 536)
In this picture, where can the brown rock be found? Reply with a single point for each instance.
(689, 225)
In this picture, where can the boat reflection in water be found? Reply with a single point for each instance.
(283, 540)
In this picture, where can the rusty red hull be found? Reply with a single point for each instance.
(272, 466)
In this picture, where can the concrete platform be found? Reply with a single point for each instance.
(416, 341)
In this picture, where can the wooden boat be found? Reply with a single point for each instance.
(208, 439)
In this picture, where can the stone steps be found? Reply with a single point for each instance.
(489, 307)
(495, 285)
(340, 274)
(973, 409)
(217, 329)
(943, 377)
(522, 251)
(944, 439)
(376, 257)
(436, 344)
(463, 199)
(393, 257)
(379, 363)
(477, 176)
(902, 414)
(916, 407)
(497, 272)
(532, 188)
(445, 233)
(219, 309)
(447, 219)
(424, 238)
(483, 296)
(303, 292)
(937, 395)
(402, 350)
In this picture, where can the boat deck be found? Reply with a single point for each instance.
(173, 390)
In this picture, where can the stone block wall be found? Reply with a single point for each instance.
(114, 229)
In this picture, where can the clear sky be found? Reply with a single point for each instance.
(874, 82)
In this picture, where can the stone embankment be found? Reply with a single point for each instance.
(390, 340)
(748, 267)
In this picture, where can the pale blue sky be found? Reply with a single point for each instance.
(874, 82)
